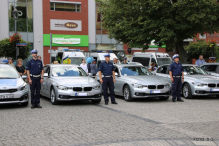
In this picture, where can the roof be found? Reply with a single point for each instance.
(216, 63)
(55, 65)
(124, 65)
(182, 64)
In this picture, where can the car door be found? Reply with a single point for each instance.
(47, 82)
(42, 91)
(117, 84)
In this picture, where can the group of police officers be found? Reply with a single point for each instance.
(107, 78)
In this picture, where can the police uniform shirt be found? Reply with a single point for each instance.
(35, 67)
(106, 68)
(176, 69)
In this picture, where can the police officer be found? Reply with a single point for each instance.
(124, 61)
(177, 77)
(35, 75)
(108, 80)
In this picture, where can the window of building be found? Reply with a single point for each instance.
(71, 7)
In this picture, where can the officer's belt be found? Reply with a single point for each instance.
(36, 76)
(177, 76)
(107, 76)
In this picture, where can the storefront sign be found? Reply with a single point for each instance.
(69, 25)
(66, 40)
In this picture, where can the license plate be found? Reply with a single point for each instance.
(80, 94)
(214, 89)
(6, 96)
(155, 91)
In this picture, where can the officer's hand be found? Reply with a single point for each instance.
(101, 80)
(114, 80)
(41, 81)
(30, 81)
(172, 79)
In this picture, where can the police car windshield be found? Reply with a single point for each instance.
(68, 72)
(162, 61)
(192, 70)
(135, 71)
(7, 72)
(76, 61)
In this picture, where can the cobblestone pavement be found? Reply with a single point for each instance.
(140, 123)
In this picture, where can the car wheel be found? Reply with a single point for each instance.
(53, 97)
(96, 101)
(187, 91)
(127, 93)
(164, 98)
(24, 104)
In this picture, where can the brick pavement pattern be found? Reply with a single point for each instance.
(140, 123)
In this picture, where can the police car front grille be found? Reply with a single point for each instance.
(151, 86)
(211, 85)
(87, 88)
(77, 88)
(160, 86)
(8, 91)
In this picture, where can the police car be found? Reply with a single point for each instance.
(13, 89)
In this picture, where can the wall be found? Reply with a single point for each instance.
(4, 21)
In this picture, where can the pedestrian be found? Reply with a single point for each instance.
(35, 75)
(115, 61)
(124, 61)
(108, 80)
(93, 68)
(40, 58)
(10, 61)
(177, 78)
(20, 68)
(152, 67)
(84, 65)
(200, 61)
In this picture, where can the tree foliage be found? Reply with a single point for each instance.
(201, 47)
(7, 49)
(137, 22)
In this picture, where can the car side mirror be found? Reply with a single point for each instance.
(116, 74)
(24, 77)
(90, 74)
(45, 75)
(209, 73)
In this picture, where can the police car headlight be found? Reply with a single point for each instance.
(97, 87)
(62, 88)
(137, 85)
(198, 84)
(167, 85)
(23, 87)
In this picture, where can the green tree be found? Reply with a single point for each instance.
(7, 49)
(165, 21)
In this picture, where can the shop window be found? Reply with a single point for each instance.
(71, 7)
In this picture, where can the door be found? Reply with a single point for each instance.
(117, 84)
(42, 91)
(47, 82)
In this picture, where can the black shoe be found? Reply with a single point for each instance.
(180, 100)
(114, 102)
(106, 103)
(173, 100)
(38, 106)
(33, 106)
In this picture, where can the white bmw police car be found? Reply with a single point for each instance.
(13, 89)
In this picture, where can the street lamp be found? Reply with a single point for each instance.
(16, 13)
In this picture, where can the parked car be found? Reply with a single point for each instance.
(136, 81)
(13, 89)
(66, 82)
(211, 68)
(135, 63)
(197, 82)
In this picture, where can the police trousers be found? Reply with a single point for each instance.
(176, 88)
(108, 83)
(35, 88)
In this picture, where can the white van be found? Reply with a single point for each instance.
(99, 56)
(76, 55)
(145, 58)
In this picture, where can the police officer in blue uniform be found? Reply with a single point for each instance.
(177, 77)
(35, 75)
(108, 80)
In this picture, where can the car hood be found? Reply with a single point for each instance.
(11, 83)
(202, 78)
(147, 80)
(74, 81)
